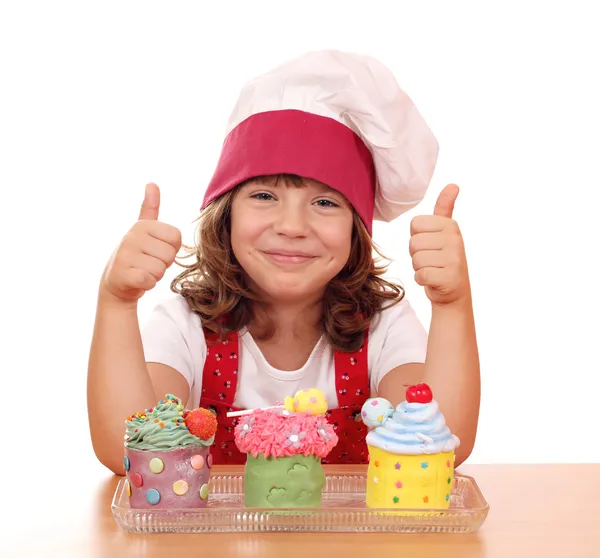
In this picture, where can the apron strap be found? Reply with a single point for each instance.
(220, 377)
(352, 375)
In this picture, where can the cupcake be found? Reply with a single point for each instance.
(167, 455)
(284, 450)
(411, 452)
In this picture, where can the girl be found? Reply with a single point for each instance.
(284, 293)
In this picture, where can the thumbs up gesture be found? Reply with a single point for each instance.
(437, 251)
(143, 256)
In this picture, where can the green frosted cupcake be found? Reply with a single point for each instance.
(283, 467)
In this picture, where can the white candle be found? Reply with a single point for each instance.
(250, 411)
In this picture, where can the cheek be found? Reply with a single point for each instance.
(243, 231)
(338, 240)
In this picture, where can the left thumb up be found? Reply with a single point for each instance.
(444, 206)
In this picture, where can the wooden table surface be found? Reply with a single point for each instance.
(535, 511)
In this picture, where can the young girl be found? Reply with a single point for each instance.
(284, 293)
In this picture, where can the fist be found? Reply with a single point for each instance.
(144, 254)
(437, 251)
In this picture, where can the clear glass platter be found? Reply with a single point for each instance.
(343, 510)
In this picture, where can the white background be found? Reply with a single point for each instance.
(99, 98)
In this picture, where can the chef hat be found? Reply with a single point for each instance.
(335, 117)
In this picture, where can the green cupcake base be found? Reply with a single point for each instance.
(296, 481)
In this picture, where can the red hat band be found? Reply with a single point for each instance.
(301, 143)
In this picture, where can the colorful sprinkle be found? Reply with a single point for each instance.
(447, 497)
(448, 463)
(126, 463)
(128, 487)
(424, 465)
(397, 465)
(137, 480)
(375, 480)
(398, 484)
(153, 496)
(374, 402)
(204, 491)
(425, 499)
(180, 487)
(449, 480)
(376, 463)
(396, 499)
(197, 462)
(156, 465)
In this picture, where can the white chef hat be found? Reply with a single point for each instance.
(336, 117)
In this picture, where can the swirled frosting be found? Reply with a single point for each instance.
(414, 428)
(280, 434)
(161, 428)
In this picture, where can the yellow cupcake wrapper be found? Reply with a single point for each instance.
(409, 481)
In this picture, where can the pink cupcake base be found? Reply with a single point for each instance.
(168, 479)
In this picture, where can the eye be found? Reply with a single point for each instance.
(326, 203)
(263, 196)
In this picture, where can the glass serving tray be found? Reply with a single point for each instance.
(343, 510)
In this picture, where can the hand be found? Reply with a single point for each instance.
(438, 252)
(144, 254)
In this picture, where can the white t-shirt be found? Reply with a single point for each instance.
(173, 336)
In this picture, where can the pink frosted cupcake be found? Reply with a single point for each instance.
(167, 455)
(284, 451)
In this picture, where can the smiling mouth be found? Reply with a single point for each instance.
(285, 258)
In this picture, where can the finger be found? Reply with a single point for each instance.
(136, 278)
(425, 241)
(151, 203)
(444, 206)
(428, 258)
(434, 277)
(161, 231)
(159, 249)
(427, 223)
(155, 266)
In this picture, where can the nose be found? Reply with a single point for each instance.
(291, 219)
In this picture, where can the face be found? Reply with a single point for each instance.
(291, 241)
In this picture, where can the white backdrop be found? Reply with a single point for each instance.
(99, 98)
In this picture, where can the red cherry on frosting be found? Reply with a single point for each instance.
(420, 393)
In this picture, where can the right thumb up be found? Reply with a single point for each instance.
(151, 203)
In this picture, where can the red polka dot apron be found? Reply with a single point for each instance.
(219, 384)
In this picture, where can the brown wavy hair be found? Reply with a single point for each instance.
(215, 285)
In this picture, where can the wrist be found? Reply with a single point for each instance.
(109, 302)
(461, 304)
